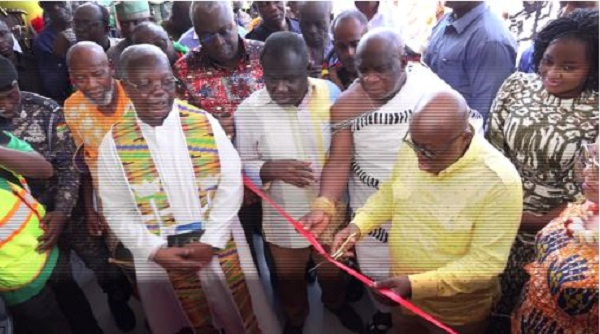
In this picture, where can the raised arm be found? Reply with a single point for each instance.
(24, 160)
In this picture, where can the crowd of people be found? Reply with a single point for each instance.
(463, 185)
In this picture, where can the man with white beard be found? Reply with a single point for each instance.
(99, 102)
(90, 112)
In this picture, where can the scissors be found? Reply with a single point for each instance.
(338, 254)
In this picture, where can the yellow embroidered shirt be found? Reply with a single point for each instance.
(452, 232)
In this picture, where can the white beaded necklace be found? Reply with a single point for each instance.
(576, 226)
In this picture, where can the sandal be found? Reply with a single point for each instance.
(380, 323)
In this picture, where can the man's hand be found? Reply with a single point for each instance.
(346, 238)
(315, 222)
(95, 223)
(176, 258)
(200, 252)
(53, 224)
(400, 285)
(291, 171)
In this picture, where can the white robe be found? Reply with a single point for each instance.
(168, 146)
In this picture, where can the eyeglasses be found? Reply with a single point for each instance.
(147, 86)
(427, 153)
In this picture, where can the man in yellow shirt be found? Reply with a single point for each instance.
(455, 204)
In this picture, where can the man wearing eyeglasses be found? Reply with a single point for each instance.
(98, 103)
(225, 70)
(369, 121)
(40, 122)
(91, 23)
(170, 184)
(455, 205)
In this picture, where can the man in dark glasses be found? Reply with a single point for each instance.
(455, 205)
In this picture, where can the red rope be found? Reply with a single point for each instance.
(369, 282)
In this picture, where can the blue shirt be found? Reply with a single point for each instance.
(473, 54)
(53, 70)
(526, 63)
(190, 39)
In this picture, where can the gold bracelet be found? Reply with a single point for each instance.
(326, 205)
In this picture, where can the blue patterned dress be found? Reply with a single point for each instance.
(561, 296)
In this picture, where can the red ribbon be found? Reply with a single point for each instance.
(369, 282)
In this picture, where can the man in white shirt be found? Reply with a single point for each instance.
(283, 136)
(170, 185)
(380, 15)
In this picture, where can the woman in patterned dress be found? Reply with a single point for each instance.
(539, 121)
(562, 294)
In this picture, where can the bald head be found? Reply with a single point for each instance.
(439, 130)
(314, 22)
(217, 31)
(149, 82)
(91, 23)
(141, 56)
(152, 33)
(146, 32)
(381, 64)
(381, 40)
(441, 113)
(200, 10)
(90, 73)
(85, 52)
(319, 8)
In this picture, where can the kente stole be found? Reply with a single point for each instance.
(143, 176)
(152, 202)
(319, 105)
